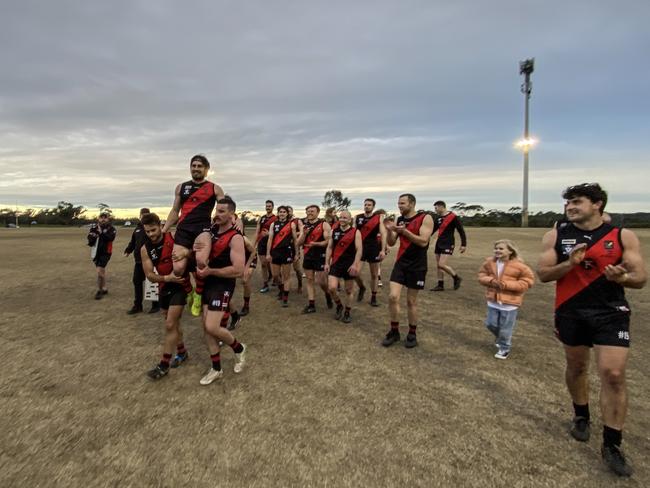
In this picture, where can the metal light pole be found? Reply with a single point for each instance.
(526, 68)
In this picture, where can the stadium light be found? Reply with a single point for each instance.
(526, 68)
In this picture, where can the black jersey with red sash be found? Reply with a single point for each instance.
(369, 228)
(585, 290)
(220, 256)
(265, 224)
(282, 235)
(411, 255)
(343, 248)
(313, 233)
(446, 225)
(335, 225)
(161, 257)
(197, 203)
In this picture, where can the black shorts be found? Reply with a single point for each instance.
(101, 260)
(172, 294)
(341, 271)
(605, 329)
(316, 263)
(370, 253)
(185, 236)
(282, 256)
(410, 278)
(262, 246)
(217, 296)
(444, 249)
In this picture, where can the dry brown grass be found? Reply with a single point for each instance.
(320, 403)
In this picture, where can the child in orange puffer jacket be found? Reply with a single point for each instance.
(507, 278)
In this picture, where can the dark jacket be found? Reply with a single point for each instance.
(138, 239)
(106, 236)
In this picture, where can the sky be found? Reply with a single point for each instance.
(107, 101)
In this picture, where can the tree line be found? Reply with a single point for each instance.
(472, 215)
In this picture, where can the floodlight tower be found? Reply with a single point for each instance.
(526, 68)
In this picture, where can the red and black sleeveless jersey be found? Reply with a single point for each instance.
(197, 203)
(313, 233)
(343, 248)
(265, 223)
(446, 225)
(369, 228)
(161, 257)
(584, 290)
(282, 235)
(411, 255)
(335, 225)
(220, 253)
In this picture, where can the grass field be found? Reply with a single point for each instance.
(319, 404)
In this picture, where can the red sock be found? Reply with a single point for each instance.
(164, 362)
(224, 319)
(394, 326)
(180, 348)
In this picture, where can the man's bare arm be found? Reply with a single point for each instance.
(632, 272)
(548, 269)
(174, 213)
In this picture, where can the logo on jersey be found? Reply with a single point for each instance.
(569, 241)
(609, 244)
(588, 264)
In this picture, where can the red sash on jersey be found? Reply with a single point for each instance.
(343, 244)
(200, 196)
(314, 235)
(368, 226)
(446, 220)
(414, 227)
(580, 277)
(266, 225)
(109, 247)
(335, 225)
(221, 244)
(280, 236)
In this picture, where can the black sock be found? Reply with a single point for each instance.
(235, 316)
(412, 329)
(347, 310)
(312, 303)
(612, 437)
(237, 347)
(216, 361)
(394, 327)
(581, 410)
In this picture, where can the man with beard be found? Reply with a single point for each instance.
(100, 238)
(314, 238)
(281, 251)
(592, 263)
(370, 225)
(261, 240)
(138, 238)
(413, 229)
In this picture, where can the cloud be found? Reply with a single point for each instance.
(288, 99)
